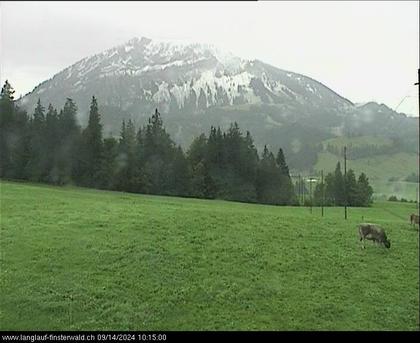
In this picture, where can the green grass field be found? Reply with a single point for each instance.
(78, 259)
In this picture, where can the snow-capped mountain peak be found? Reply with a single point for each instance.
(194, 85)
(176, 75)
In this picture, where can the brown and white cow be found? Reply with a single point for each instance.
(374, 233)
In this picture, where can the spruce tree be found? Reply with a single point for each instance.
(233, 146)
(268, 183)
(220, 148)
(7, 108)
(36, 168)
(39, 115)
(158, 156)
(197, 150)
(247, 173)
(52, 141)
(91, 149)
(68, 126)
(364, 191)
(180, 178)
(281, 162)
(213, 147)
(287, 194)
(106, 175)
(351, 189)
(127, 175)
(249, 158)
(69, 134)
(202, 184)
(7, 103)
(14, 136)
(339, 195)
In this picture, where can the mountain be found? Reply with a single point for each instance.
(180, 77)
(195, 86)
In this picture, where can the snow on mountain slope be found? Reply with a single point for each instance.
(177, 77)
(195, 86)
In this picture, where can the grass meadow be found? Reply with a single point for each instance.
(80, 259)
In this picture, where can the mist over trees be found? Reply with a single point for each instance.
(49, 146)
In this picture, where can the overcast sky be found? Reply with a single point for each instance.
(362, 50)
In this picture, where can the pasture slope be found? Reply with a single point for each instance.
(386, 172)
(79, 259)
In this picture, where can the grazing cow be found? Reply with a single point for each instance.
(374, 233)
(414, 219)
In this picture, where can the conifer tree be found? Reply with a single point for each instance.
(287, 194)
(14, 136)
(69, 134)
(7, 104)
(268, 179)
(364, 191)
(197, 150)
(281, 162)
(351, 189)
(106, 175)
(126, 159)
(338, 186)
(51, 146)
(158, 157)
(202, 184)
(39, 116)
(180, 179)
(233, 146)
(36, 168)
(6, 126)
(68, 125)
(91, 149)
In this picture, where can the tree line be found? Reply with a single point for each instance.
(51, 147)
(339, 190)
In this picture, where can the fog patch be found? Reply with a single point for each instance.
(367, 115)
(296, 145)
(338, 131)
